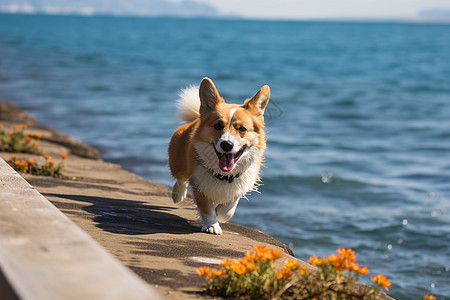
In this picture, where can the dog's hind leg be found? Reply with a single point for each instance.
(225, 211)
(179, 191)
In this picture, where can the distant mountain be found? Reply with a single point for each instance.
(184, 8)
(435, 14)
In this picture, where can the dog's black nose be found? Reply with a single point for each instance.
(226, 146)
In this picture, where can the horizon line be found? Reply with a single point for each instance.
(232, 17)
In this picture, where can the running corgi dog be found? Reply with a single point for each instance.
(218, 152)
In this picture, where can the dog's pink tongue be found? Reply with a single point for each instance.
(226, 162)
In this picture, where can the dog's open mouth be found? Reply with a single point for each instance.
(228, 160)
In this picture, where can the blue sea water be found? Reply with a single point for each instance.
(358, 122)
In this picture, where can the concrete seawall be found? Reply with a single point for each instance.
(44, 255)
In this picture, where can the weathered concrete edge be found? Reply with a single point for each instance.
(44, 255)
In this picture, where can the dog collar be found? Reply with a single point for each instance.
(229, 178)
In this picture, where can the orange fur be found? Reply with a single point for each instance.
(181, 163)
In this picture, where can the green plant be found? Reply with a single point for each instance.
(30, 166)
(255, 276)
(18, 141)
(252, 277)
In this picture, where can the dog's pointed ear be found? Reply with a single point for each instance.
(257, 104)
(209, 96)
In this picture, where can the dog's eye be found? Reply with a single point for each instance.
(242, 129)
(218, 126)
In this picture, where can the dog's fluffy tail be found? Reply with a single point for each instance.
(189, 104)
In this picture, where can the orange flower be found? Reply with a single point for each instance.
(348, 254)
(15, 127)
(35, 135)
(203, 271)
(218, 273)
(23, 126)
(429, 297)
(313, 260)
(360, 269)
(63, 157)
(291, 265)
(344, 261)
(258, 248)
(226, 262)
(274, 254)
(284, 274)
(250, 257)
(260, 251)
(30, 161)
(248, 263)
(47, 157)
(23, 166)
(337, 262)
(303, 270)
(381, 281)
(239, 269)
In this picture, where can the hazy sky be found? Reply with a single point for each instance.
(301, 9)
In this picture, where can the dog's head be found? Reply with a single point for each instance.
(230, 136)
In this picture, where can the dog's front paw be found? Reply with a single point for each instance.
(214, 229)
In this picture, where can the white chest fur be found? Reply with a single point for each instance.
(223, 191)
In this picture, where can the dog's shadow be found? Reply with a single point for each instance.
(130, 217)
